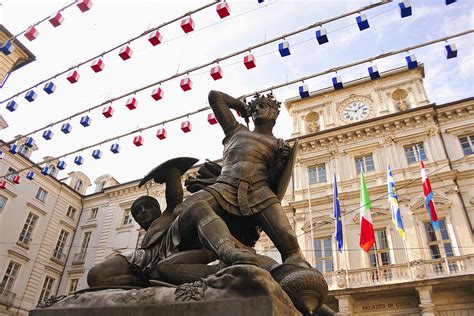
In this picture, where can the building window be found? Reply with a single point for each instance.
(9, 278)
(364, 163)
(383, 251)
(27, 231)
(41, 194)
(323, 254)
(415, 153)
(78, 185)
(317, 174)
(85, 242)
(71, 212)
(127, 218)
(93, 213)
(11, 173)
(81, 255)
(23, 150)
(467, 144)
(47, 289)
(58, 252)
(72, 286)
(3, 201)
(438, 241)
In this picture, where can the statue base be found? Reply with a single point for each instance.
(262, 305)
(236, 290)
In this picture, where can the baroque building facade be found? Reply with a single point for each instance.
(361, 127)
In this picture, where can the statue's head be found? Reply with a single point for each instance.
(263, 108)
(145, 210)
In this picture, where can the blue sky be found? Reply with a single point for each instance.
(109, 23)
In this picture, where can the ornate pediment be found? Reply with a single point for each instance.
(378, 215)
(441, 202)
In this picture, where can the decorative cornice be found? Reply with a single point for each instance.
(16, 254)
(366, 130)
(36, 208)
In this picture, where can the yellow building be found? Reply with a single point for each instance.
(363, 127)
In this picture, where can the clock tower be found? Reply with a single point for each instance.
(361, 99)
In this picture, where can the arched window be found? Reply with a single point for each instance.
(78, 185)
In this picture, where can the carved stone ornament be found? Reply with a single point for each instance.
(341, 278)
(434, 130)
(191, 291)
(389, 139)
(418, 269)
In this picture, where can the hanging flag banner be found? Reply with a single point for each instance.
(337, 217)
(428, 192)
(393, 202)
(367, 237)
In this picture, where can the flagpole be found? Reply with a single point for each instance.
(408, 258)
(311, 219)
(377, 262)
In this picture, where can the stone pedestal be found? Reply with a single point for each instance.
(262, 306)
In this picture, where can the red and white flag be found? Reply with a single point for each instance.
(428, 192)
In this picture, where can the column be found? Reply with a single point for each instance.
(426, 304)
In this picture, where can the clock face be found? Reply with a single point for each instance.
(355, 111)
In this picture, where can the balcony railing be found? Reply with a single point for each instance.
(24, 241)
(400, 273)
(79, 258)
(58, 256)
(6, 297)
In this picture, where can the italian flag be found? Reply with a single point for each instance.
(367, 238)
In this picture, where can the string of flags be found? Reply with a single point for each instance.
(86, 121)
(57, 19)
(186, 126)
(155, 38)
(125, 50)
(217, 73)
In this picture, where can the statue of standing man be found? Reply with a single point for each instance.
(244, 194)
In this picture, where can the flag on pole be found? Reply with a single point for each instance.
(337, 217)
(429, 202)
(393, 202)
(367, 237)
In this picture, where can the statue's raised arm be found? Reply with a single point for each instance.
(221, 104)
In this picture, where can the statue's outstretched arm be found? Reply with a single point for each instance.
(221, 103)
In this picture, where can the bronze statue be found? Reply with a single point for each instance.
(159, 242)
(244, 192)
(230, 205)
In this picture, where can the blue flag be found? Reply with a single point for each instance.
(393, 202)
(337, 217)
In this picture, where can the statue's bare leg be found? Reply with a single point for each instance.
(275, 224)
(198, 218)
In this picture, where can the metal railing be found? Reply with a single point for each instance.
(58, 256)
(24, 241)
(6, 297)
(79, 257)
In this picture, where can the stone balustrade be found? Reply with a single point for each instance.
(400, 273)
